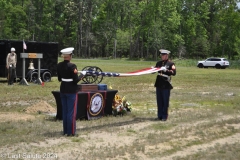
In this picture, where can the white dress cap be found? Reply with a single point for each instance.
(164, 51)
(67, 50)
(12, 49)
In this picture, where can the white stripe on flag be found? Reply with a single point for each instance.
(24, 45)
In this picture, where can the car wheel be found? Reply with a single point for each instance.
(200, 65)
(218, 66)
(46, 77)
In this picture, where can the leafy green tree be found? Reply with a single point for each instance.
(230, 37)
(14, 24)
(195, 16)
(127, 28)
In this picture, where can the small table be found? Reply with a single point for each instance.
(83, 102)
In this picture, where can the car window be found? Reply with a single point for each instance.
(224, 59)
(209, 59)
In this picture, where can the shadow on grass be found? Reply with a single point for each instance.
(102, 126)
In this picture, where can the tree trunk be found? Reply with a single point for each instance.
(80, 29)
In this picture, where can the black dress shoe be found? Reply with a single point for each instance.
(164, 120)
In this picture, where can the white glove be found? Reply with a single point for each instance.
(84, 72)
(152, 67)
(164, 69)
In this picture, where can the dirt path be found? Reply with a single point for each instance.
(127, 141)
(204, 147)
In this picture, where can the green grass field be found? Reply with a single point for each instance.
(204, 121)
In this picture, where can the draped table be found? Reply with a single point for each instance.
(85, 99)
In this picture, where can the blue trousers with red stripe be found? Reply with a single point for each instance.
(163, 96)
(69, 112)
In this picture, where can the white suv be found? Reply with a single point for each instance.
(214, 62)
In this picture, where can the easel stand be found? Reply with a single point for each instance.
(32, 56)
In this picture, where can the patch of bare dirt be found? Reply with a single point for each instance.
(41, 107)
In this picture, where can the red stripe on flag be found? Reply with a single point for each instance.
(145, 69)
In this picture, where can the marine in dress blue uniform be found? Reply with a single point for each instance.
(163, 84)
(68, 76)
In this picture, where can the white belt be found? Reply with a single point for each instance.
(67, 80)
(164, 75)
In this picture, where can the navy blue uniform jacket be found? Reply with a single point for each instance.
(162, 82)
(65, 70)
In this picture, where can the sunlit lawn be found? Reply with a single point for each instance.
(202, 93)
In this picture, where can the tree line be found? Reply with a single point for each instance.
(127, 28)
